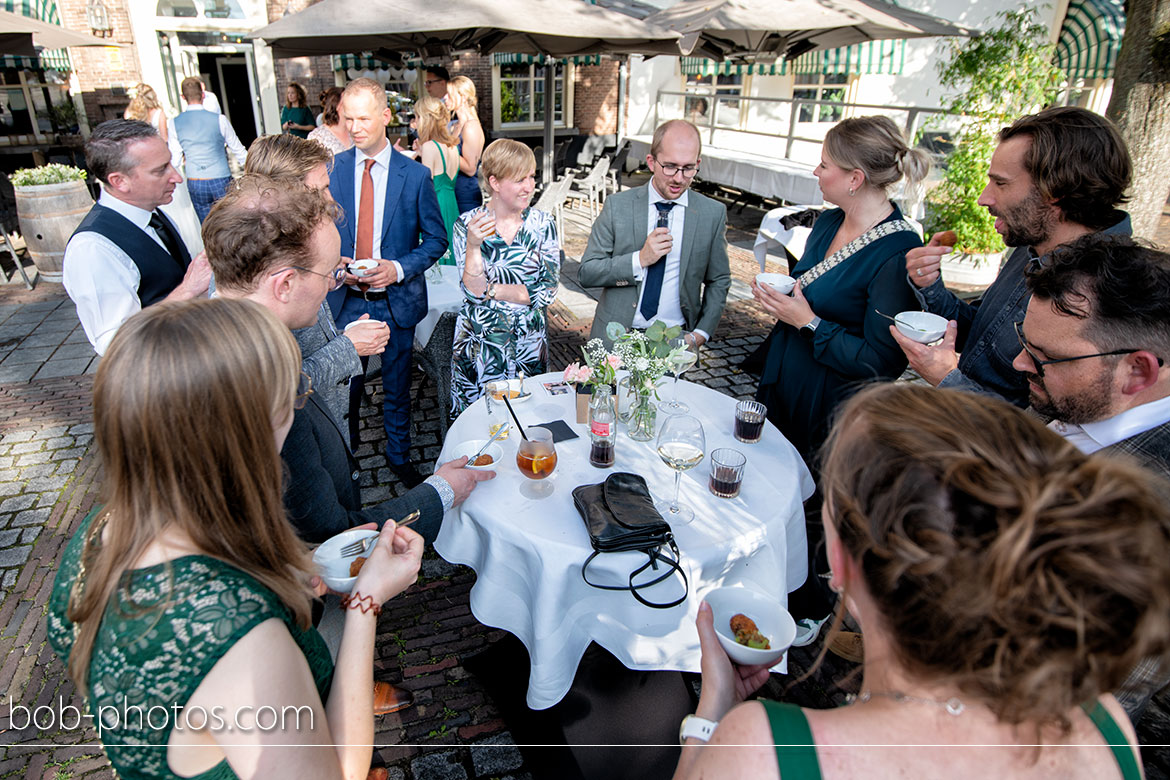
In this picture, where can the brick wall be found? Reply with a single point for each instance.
(313, 73)
(479, 69)
(105, 75)
(595, 93)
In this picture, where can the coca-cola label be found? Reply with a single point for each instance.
(599, 428)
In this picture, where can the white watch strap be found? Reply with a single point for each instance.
(696, 727)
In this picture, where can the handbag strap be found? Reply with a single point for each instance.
(654, 555)
(852, 248)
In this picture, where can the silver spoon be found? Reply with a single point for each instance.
(488, 443)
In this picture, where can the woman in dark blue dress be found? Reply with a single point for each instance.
(829, 338)
(462, 102)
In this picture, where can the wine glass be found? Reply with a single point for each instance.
(681, 445)
(681, 359)
(536, 458)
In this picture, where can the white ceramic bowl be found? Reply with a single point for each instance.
(921, 326)
(362, 267)
(469, 448)
(331, 566)
(781, 283)
(772, 620)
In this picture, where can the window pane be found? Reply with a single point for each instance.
(15, 118)
(179, 8)
(515, 70)
(515, 101)
(808, 78)
(222, 9)
(836, 78)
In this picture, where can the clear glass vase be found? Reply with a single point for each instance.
(626, 399)
(640, 426)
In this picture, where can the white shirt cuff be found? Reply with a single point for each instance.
(398, 269)
(702, 333)
(446, 494)
(639, 271)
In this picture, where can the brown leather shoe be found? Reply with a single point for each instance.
(848, 645)
(390, 698)
(378, 773)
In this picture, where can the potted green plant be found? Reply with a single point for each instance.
(51, 201)
(1000, 75)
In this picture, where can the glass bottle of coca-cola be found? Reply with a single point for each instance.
(602, 427)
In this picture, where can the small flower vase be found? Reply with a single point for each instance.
(626, 399)
(640, 426)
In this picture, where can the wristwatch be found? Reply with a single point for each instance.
(809, 328)
(693, 726)
(491, 290)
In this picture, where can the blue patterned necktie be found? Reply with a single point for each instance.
(652, 289)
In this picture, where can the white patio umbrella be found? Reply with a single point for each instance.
(556, 28)
(759, 29)
(22, 35)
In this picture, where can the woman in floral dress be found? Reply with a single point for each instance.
(509, 260)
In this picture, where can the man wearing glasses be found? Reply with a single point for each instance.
(660, 251)
(1055, 176)
(1093, 350)
(435, 78)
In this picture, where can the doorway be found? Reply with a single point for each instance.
(230, 78)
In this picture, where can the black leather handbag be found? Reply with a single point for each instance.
(620, 517)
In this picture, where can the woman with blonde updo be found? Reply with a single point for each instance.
(144, 106)
(438, 151)
(462, 102)
(1005, 582)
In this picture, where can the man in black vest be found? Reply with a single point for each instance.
(126, 254)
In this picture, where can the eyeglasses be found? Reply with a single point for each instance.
(1041, 363)
(304, 390)
(337, 275)
(671, 170)
(432, 81)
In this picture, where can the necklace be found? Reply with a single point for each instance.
(953, 706)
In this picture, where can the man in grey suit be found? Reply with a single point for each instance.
(1093, 347)
(660, 251)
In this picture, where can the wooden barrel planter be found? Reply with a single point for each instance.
(49, 213)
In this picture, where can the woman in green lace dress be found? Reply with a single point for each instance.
(509, 260)
(438, 151)
(182, 607)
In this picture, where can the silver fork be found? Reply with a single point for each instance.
(361, 546)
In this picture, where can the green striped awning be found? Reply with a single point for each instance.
(363, 61)
(870, 57)
(529, 59)
(1090, 38)
(46, 11)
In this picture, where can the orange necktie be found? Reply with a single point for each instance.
(365, 225)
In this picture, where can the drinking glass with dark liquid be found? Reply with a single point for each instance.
(749, 421)
(727, 466)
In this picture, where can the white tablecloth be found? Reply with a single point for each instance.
(442, 296)
(773, 233)
(527, 554)
(770, 177)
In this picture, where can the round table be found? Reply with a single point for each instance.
(527, 553)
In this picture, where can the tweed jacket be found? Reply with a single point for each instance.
(330, 360)
(322, 496)
(621, 230)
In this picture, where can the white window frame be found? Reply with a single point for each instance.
(819, 88)
(566, 101)
(710, 91)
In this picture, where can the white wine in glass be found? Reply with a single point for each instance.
(681, 445)
(680, 360)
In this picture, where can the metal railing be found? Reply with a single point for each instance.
(742, 105)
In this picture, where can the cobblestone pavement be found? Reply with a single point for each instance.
(50, 479)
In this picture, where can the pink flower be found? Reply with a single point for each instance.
(572, 373)
(614, 361)
(585, 374)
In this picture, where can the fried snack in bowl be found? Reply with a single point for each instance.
(355, 566)
(747, 634)
(751, 609)
(946, 237)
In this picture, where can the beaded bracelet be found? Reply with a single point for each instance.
(357, 601)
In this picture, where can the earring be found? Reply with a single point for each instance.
(852, 191)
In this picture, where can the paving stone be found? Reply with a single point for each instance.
(28, 355)
(12, 437)
(56, 430)
(39, 470)
(32, 458)
(439, 766)
(17, 373)
(28, 446)
(8, 538)
(74, 351)
(41, 484)
(10, 578)
(14, 556)
(65, 367)
(17, 503)
(31, 516)
(9, 488)
(59, 442)
(495, 755)
(70, 454)
(29, 535)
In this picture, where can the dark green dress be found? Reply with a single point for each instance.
(448, 207)
(804, 380)
(160, 636)
(298, 115)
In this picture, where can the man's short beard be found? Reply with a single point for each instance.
(1028, 223)
(1090, 407)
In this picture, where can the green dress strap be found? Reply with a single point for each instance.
(796, 752)
(1122, 749)
(448, 205)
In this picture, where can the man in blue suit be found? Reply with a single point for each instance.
(392, 217)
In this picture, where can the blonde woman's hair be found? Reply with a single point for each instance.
(433, 118)
(1002, 560)
(185, 403)
(875, 146)
(146, 94)
(465, 88)
(507, 160)
(286, 155)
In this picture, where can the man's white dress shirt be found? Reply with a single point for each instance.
(378, 172)
(230, 139)
(1099, 434)
(669, 306)
(101, 279)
